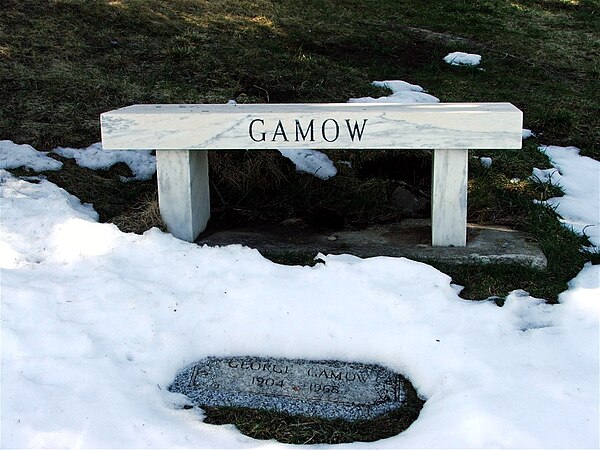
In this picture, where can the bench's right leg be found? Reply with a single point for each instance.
(449, 198)
(183, 191)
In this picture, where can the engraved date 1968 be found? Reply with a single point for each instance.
(324, 388)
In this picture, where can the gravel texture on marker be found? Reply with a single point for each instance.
(371, 391)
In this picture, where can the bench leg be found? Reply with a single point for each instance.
(449, 198)
(183, 191)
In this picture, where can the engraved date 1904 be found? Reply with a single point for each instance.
(266, 382)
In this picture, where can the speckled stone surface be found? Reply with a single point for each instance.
(325, 389)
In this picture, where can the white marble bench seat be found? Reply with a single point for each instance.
(181, 135)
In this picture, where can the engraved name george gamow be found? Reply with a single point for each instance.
(266, 374)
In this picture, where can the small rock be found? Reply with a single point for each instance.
(408, 203)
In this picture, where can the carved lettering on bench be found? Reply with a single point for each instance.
(354, 131)
(261, 131)
(310, 128)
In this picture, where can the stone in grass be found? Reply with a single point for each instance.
(408, 204)
(324, 389)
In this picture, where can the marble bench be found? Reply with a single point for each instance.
(182, 134)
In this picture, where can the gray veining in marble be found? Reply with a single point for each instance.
(449, 198)
(183, 192)
(390, 126)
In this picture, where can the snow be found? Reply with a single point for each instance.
(311, 161)
(486, 161)
(402, 92)
(545, 175)
(96, 323)
(462, 59)
(526, 134)
(141, 162)
(14, 155)
(579, 177)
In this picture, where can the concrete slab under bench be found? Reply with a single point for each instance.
(409, 238)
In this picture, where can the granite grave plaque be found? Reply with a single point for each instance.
(325, 389)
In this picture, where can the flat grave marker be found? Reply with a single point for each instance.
(325, 389)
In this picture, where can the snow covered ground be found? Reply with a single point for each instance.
(579, 177)
(95, 323)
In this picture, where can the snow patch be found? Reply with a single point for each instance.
(141, 162)
(525, 133)
(579, 178)
(486, 161)
(311, 161)
(462, 59)
(22, 155)
(398, 86)
(551, 176)
(402, 92)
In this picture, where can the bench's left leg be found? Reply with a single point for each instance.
(183, 191)
(449, 198)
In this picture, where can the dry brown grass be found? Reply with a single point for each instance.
(140, 218)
